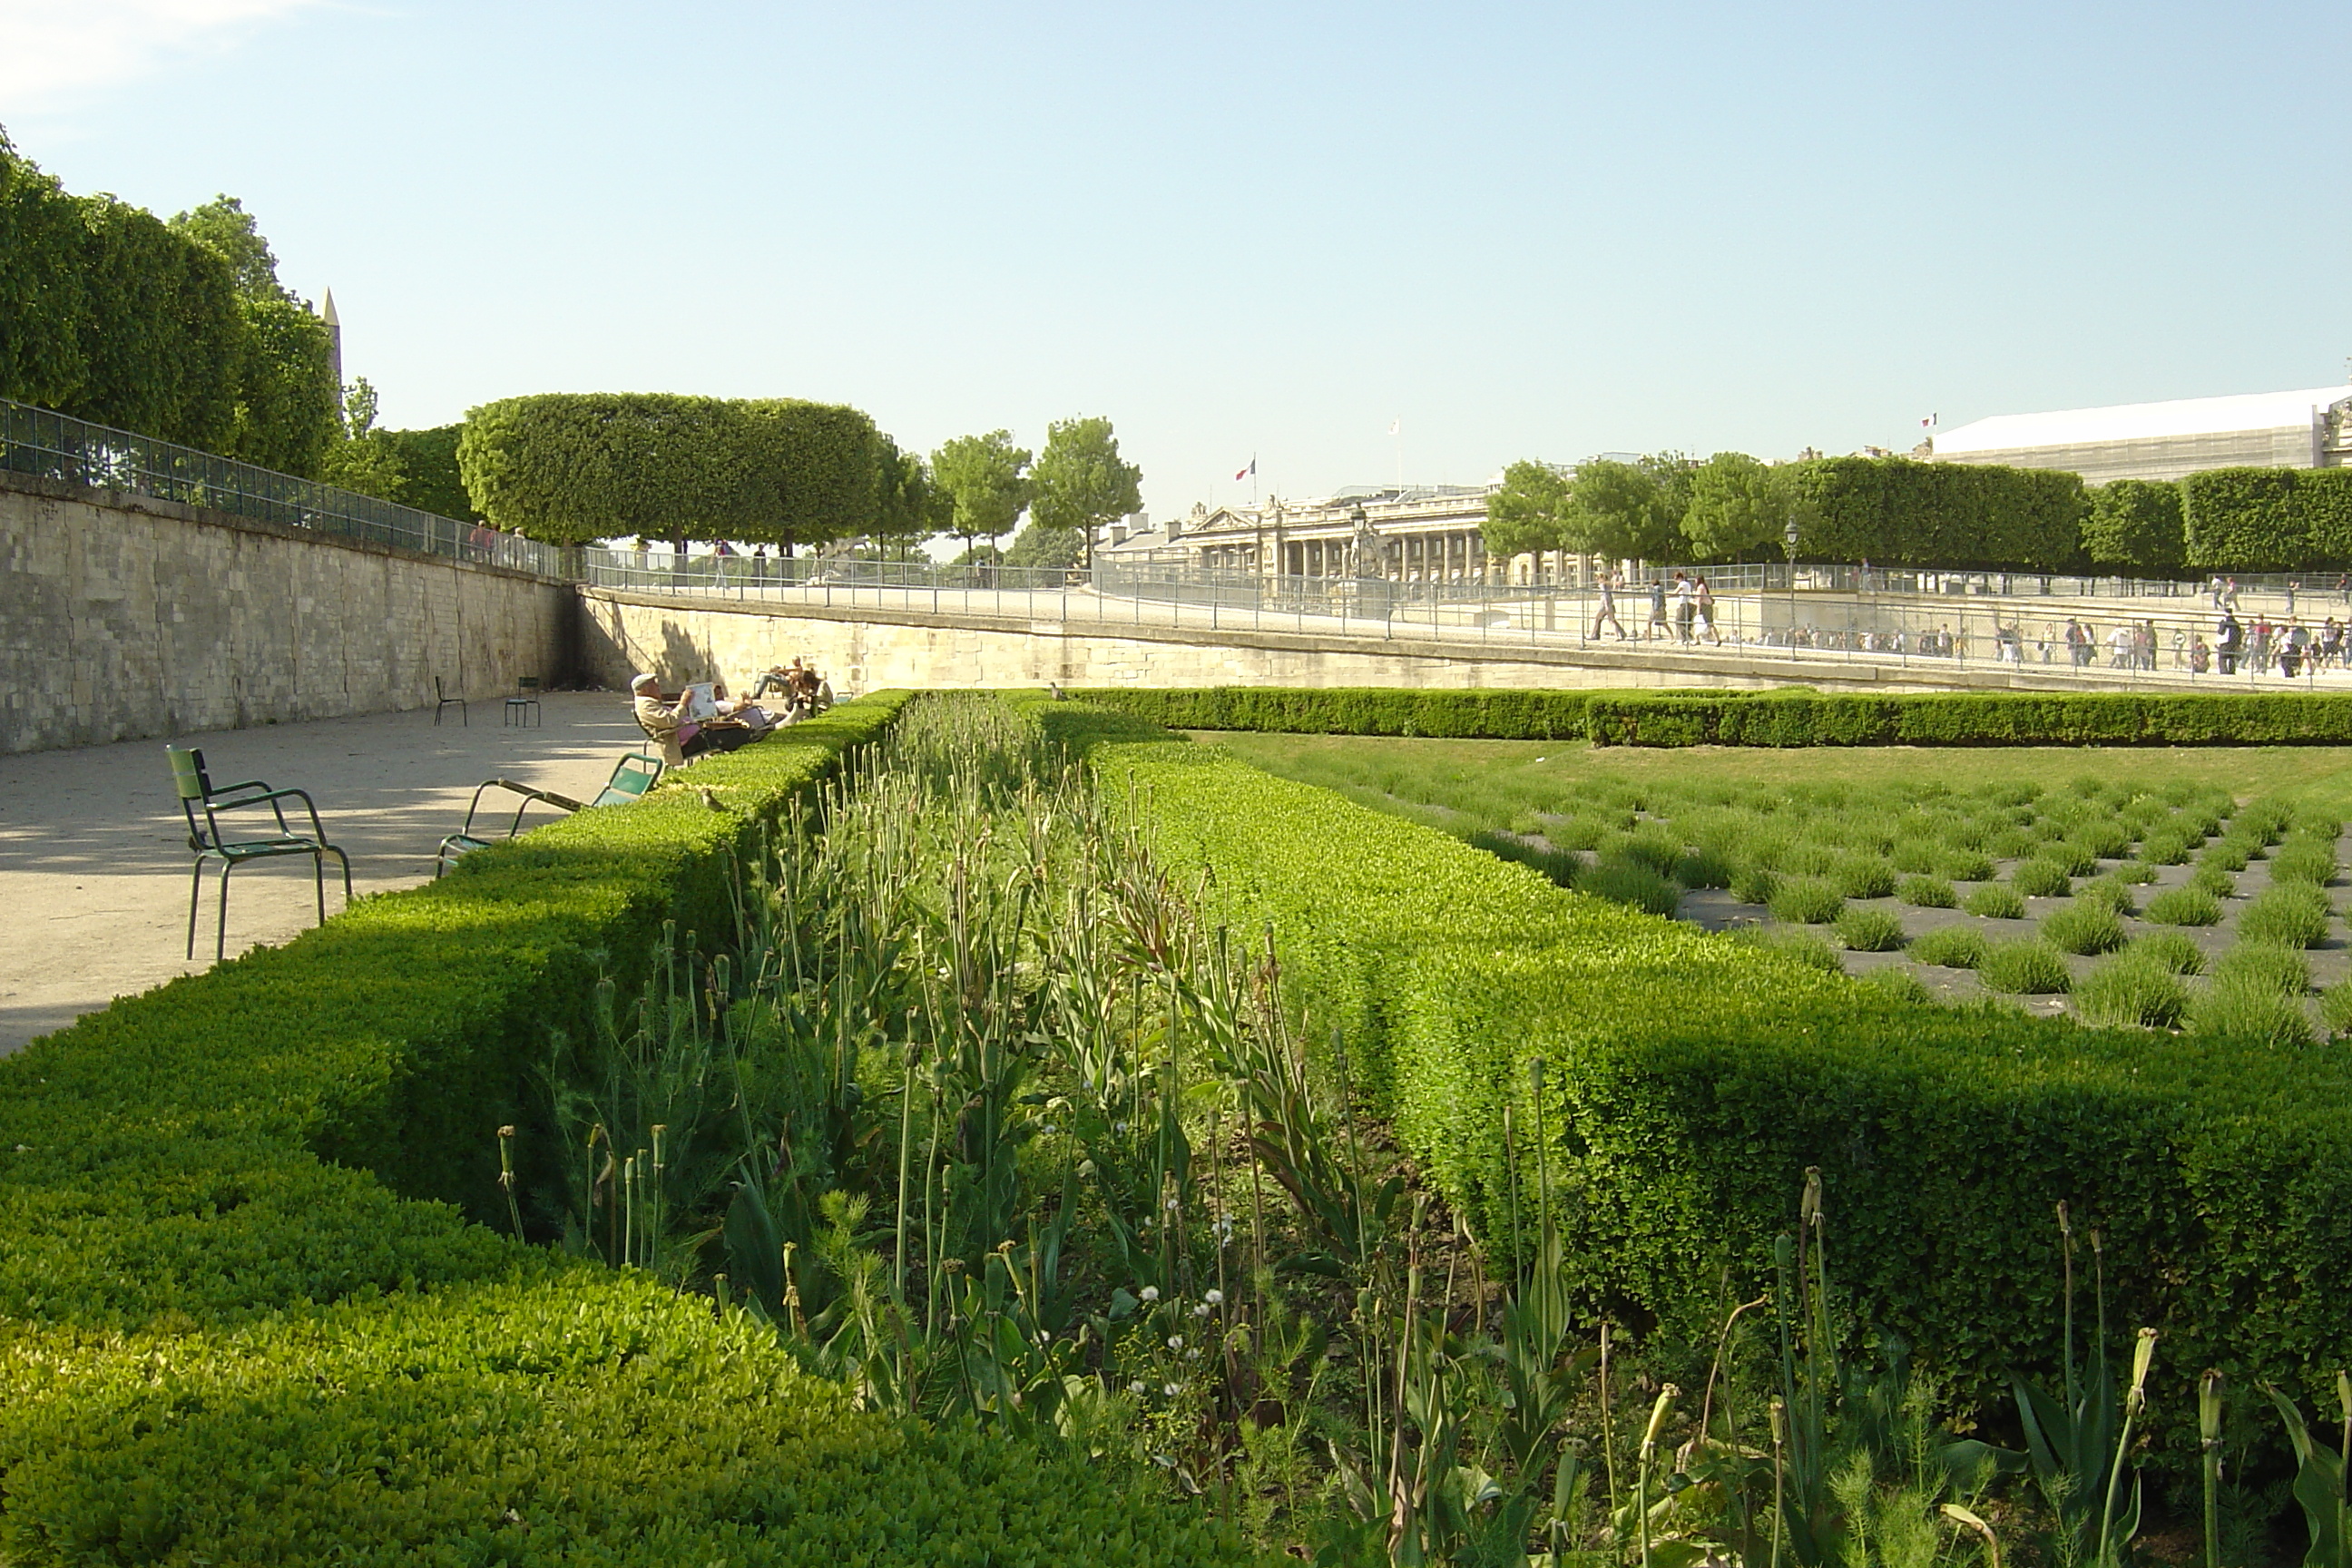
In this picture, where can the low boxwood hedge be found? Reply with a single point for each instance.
(243, 1319)
(1691, 1080)
(1782, 717)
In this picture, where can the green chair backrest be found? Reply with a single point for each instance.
(187, 772)
(632, 777)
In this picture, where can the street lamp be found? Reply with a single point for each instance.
(1789, 543)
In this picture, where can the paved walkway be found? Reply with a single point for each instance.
(94, 856)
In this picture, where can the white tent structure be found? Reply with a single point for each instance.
(2310, 429)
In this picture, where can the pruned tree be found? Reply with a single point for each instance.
(985, 480)
(1739, 509)
(1081, 482)
(1528, 513)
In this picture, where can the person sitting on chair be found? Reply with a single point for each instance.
(663, 720)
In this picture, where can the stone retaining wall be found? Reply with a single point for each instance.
(123, 616)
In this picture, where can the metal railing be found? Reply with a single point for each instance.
(54, 446)
(1922, 626)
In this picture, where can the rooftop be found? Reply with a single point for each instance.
(2141, 421)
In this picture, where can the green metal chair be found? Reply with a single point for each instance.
(523, 707)
(197, 793)
(633, 775)
(441, 700)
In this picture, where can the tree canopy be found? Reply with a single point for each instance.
(985, 480)
(1528, 513)
(1081, 482)
(1739, 509)
(571, 467)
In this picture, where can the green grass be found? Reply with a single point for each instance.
(1629, 882)
(1995, 901)
(1955, 947)
(2177, 952)
(2292, 914)
(1870, 930)
(1806, 903)
(2087, 927)
(2184, 907)
(2134, 990)
(2027, 967)
(1864, 877)
(1927, 893)
(2041, 879)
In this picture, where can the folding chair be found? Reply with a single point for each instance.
(633, 775)
(442, 700)
(523, 706)
(195, 789)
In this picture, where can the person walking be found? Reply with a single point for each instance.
(1658, 627)
(1703, 597)
(2229, 637)
(1685, 608)
(1608, 611)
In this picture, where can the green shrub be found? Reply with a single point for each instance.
(1686, 1129)
(2306, 860)
(2086, 927)
(1927, 893)
(2229, 854)
(1799, 946)
(2336, 1008)
(2073, 857)
(2249, 1013)
(2177, 952)
(1805, 902)
(2168, 847)
(1968, 866)
(1899, 983)
(1914, 856)
(1753, 885)
(2184, 907)
(2213, 881)
(2011, 844)
(1864, 877)
(2292, 914)
(1995, 901)
(2041, 879)
(2279, 969)
(2026, 967)
(2129, 990)
(1870, 930)
(1701, 869)
(1954, 947)
(2136, 873)
(1624, 881)
(2109, 891)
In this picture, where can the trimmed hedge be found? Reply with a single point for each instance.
(1782, 717)
(1691, 1080)
(1897, 512)
(2268, 520)
(245, 1320)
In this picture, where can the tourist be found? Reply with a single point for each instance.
(1658, 627)
(2227, 638)
(1685, 608)
(2260, 649)
(1703, 597)
(2331, 643)
(2292, 647)
(667, 723)
(2200, 657)
(1608, 612)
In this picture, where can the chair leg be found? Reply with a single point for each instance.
(196, 884)
(319, 878)
(346, 861)
(220, 937)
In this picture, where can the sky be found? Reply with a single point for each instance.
(1270, 231)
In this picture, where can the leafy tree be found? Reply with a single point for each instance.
(1739, 509)
(429, 479)
(223, 226)
(1528, 513)
(289, 408)
(909, 507)
(1627, 511)
(2137, 524)
(1081, 482)
(1041, 548)
(365, 459)
(985, 479)
(812, 469)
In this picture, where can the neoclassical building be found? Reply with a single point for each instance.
(1414, 533)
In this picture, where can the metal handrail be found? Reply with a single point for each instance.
(48, 445)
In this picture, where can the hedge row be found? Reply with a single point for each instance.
(108, 315)
(245, 1319)
(1692, 1080)
(2268, 520)
(1894, 512)
(1783, 717)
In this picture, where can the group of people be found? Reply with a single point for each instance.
(1682, 609)
(701, 719)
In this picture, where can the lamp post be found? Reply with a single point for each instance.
(1788, 545)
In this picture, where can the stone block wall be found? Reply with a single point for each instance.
(123, 616)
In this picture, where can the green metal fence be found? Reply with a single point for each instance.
(53, 446)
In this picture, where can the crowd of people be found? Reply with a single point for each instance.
(701, 718)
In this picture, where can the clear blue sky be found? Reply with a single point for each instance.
(1526, 230)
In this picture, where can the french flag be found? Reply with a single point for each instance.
(1245, 473)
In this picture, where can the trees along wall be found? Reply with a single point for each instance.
(179, 331)
(572, 468)
(1080, 484)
